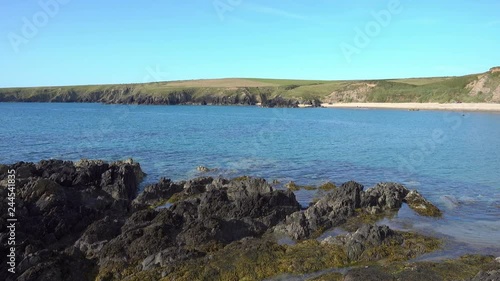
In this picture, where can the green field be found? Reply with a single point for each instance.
(483, 87)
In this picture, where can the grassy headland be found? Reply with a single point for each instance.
(475, 88)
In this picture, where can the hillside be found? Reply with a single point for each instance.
(484, 87)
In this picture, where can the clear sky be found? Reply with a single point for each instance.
(67, 42)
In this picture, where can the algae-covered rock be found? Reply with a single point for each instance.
(295, 187)
(327, 186)
(384, 196)
(157, 193)
(421, 205)
(372, 273)
(365, 237)
(330, 211)
(83, 221)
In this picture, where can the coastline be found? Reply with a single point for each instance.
(481, 107)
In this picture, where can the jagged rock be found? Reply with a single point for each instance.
(158, 192)
(61, 172)
(217, 211)
(56, 202)
(169, 256)
(342, 203)
(97, 235)
(421, 205)
(330, 211)
(492, 275)
(197, 186)
(80, 219)
(203, 169)
(384, 196)
(365, 237)
(56, 266)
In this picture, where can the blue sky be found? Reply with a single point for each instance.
(100, 42)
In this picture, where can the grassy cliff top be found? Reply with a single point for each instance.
(483, 87)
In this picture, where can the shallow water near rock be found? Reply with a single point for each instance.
(452, 158)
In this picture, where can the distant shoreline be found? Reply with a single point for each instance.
(481, 107)
(411, 106)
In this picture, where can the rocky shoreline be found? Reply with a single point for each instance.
(180, 97)
(86, 221)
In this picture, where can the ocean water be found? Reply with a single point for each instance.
(452, 158)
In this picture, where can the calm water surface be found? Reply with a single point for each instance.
(451, 158)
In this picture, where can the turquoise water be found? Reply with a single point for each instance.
(451, 158)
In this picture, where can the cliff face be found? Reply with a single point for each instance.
(484, 87)
(129, 95)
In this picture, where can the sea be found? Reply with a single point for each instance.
(452, 158)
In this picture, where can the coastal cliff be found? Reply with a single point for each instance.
(475, 88)
(135, 95)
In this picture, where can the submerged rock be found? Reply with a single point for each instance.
(421, 205)
(203, 169)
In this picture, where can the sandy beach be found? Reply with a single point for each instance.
(488, 107)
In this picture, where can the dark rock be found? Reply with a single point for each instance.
(337, 207)
(421, 205)
(169, 256)
(493, 275)
(97, 235)
(24, 170)
(54, 266)
(330, 211)
(80, 220)
(365, 237)
(197, 186)
(158, 192)
(57, 202)
(217, 212)
(384, 196)
(61, 172)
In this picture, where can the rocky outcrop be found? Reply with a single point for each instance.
(158, 193)
(342, 203)
(55, 202)
(368, 236)
(214, 212)
(421, 205)
(139, 95)
(84, 221)
(492, 275)
(330, 211)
